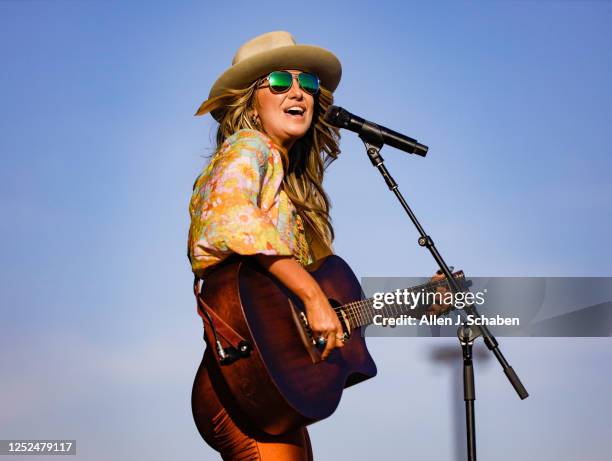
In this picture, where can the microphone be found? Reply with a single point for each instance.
(342, 118)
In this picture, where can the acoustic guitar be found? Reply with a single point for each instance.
(275, 375)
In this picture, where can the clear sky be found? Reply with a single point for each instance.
(99, 338)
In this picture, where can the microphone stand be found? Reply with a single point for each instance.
(372, 138)
(467, 336)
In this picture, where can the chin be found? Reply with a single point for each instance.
(297, 130)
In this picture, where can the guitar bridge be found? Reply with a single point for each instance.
(305, 332)
(306, 327)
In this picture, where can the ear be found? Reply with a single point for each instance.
(255, 118)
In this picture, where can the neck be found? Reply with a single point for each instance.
(283, 145)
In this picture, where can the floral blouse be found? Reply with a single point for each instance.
(238, 206)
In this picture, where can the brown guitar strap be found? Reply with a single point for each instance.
(220, 326)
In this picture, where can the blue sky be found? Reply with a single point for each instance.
(99, 146)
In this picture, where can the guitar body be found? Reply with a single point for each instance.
(283, 383)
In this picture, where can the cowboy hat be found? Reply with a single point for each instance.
(276, 51)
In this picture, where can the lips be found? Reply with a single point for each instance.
(295, 111)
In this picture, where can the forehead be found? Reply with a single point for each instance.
(292, 71)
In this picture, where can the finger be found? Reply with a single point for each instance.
(331, 344)
(450, 268)
(339, 340)
(339, 334)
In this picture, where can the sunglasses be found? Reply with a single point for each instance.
(280, 81)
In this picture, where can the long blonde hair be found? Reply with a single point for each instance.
(303, 165)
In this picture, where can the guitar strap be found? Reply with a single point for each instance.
(219, 325)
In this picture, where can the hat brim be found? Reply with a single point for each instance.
(307, 58)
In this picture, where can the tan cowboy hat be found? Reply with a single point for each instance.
(276, 51)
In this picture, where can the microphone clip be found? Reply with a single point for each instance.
(372, 137)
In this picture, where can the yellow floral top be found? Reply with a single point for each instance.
(238, 206)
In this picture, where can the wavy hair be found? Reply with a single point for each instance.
(303, 165)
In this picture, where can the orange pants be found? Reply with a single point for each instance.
(237, 441)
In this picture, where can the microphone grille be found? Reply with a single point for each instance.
(336, 116)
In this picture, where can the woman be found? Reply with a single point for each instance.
(262, 195)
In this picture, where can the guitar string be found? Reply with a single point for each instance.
(353, 306)
(357, 309)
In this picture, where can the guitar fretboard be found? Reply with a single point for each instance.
(362, 313)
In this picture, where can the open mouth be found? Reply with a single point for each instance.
(295, 111)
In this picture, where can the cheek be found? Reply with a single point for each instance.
(309, 120)
(312, 116)
(268, 108)
(311, 107)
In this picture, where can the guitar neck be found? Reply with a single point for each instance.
(412, 304)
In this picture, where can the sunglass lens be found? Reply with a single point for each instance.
(280, 81)
(309, 82)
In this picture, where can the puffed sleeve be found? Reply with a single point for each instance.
(225, 208)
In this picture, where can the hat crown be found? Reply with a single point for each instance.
(272, 51)
(264, 42)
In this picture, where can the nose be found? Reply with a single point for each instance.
(295, 91)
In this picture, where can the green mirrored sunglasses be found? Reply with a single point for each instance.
(280, 81)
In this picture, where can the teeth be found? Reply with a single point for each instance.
(295, 109)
